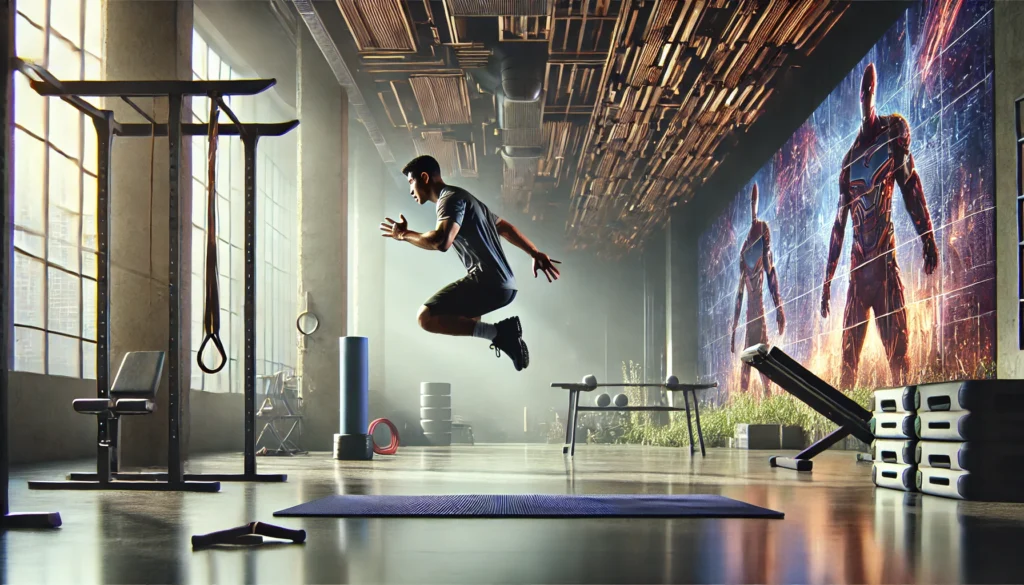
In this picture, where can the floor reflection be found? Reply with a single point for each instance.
(838, 528)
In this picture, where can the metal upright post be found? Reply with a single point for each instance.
(249, 142)
(107, 431)
(175, 466)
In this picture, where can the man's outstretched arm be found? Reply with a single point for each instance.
(440, 238)
(541, 261)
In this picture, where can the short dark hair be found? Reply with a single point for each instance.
(422, 164)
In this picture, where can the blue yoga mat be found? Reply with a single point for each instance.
(531, 506)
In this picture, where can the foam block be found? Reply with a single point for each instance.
(893, 425)
(893, 476)
(971, 426)
(895, 399)
(985, 458)
(979, 396)
(899, 451)
(964, 485)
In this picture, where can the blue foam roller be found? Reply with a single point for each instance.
(355, 385)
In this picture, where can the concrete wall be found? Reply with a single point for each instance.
(1009, 74)
(323, 247)
(682, 284)
(368, 186)
(147, 40)
(43, 426)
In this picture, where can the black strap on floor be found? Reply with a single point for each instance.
(211, 310)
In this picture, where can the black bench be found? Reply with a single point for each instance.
(852, 418)
(133, 393)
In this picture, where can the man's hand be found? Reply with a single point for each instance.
(931, 253)
(394, 229)
(543, 263)
(780, 318)
(826, 293)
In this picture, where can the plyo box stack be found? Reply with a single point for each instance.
(972, 440)
(894, 450)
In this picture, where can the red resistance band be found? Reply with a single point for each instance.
(392, 447)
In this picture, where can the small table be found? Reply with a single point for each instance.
(574, 407)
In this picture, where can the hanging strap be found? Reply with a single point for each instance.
(211, 312)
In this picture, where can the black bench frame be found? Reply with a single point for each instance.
(852, 418)
(572, 419)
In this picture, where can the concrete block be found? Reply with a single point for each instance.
(793, 437)
(758, 436)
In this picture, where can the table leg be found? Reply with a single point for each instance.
(689, 424)
(568, 422)
(575, 421)
(700, 435)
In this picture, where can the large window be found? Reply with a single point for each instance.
(55, 194)
(276, 234)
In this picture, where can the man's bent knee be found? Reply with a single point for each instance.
(424, 318)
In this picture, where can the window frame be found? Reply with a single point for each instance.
(86, 368)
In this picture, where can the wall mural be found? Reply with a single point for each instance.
(865, 247)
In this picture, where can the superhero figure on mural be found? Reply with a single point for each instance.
(756, 261)
(880, 156)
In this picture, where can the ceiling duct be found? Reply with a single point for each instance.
(378, 25)
(522, 74)
(498, 7)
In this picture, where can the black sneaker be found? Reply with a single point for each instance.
(510, 341)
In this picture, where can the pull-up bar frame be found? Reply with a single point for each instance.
(108, 474)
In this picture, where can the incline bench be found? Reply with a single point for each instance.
(852, 418)
(132, 393)
(589, 384)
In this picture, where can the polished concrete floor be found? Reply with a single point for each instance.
(838, 527)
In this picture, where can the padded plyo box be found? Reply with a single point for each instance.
(964, 485)
(899, 451)
(895, 399)
(979, 396)
(893, 425)
(960, 425)
(984, 458)
(894, 476)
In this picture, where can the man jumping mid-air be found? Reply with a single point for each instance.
(466, 223)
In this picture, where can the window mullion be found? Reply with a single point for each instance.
(46, 197)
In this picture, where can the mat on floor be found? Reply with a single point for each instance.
(531, 506)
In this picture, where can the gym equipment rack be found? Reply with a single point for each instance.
(108, 476)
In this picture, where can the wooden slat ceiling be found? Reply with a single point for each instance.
(641, 100)
(683, 77)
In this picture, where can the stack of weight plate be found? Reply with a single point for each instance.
(893, 451)
(972, 440)
(436, 413)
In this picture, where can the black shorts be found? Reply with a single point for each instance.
(468, 297)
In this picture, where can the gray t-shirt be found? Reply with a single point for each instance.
(478, 242)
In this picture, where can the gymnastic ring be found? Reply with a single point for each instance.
(298, 323)
(392, 447)
(220, 349)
